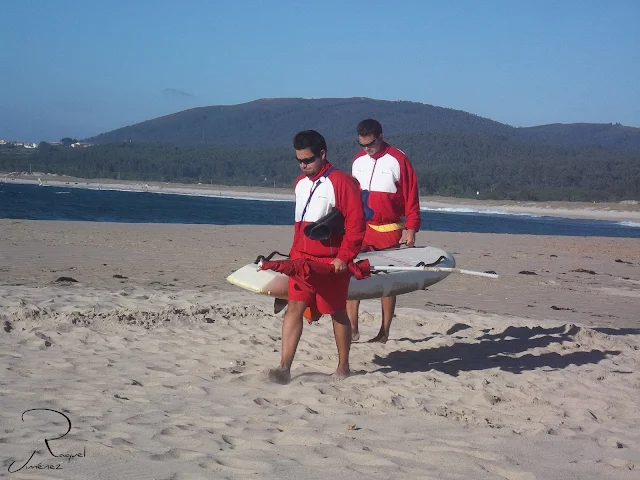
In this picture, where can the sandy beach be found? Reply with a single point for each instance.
(132, 334)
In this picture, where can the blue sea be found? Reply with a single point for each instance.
(32, 202)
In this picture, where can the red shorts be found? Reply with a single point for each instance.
(374, 240)
(330, 291)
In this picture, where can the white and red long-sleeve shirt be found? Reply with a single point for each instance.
(393, 186)
(337, 190)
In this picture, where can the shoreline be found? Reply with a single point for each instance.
(608, 211)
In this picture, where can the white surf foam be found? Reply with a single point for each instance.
(629, 224)
(187, 193)
(226, 195)
(476, 211)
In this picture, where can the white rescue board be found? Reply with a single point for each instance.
(383, 284)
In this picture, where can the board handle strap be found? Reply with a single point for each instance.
(269, 257)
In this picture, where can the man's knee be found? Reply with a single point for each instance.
(340, 317)
(296, 308)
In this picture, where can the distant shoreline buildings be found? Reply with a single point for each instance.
(35, 145)
(18, 144)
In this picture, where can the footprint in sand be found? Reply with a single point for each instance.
(236, 466)
(178, 454)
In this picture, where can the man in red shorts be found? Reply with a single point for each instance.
(390, 186)
(320, 189)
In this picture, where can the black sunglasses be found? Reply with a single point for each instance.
(307, 160)
(367, 145)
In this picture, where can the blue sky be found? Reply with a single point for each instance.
(78, 68)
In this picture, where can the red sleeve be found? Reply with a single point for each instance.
(409, 187)
(296, 230)
(349, 202)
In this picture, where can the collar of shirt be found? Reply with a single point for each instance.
(324, 168)
(383, 150)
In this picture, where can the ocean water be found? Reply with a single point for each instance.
(32, 202)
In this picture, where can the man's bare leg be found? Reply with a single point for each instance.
(342, 334)
(291, 333)
(388, 310)
(352, 311)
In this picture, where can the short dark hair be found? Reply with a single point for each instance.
(369, 127)
(310, 139)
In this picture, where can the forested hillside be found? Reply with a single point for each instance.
(447, 164)
(455, 153)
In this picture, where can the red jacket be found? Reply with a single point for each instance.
(337, 190)
(393, 184)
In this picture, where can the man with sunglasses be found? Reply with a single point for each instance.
(320, 189)
(390, 189)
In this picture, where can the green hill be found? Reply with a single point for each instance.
(455, 153)
(272, 122)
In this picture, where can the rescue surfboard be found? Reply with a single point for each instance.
(380, 284)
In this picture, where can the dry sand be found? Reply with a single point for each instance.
(159, 363)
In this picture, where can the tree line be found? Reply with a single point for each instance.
(458, 165)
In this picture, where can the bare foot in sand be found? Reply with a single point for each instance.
(380, 338)
(340, 374)
(280, 375)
